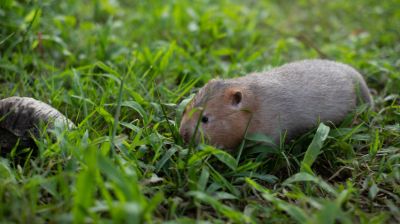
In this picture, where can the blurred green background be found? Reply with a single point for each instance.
(90, 58)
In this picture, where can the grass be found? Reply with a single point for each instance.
(120, 70)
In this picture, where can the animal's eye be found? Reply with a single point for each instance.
(204, 119)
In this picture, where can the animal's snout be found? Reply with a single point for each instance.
(184, 132)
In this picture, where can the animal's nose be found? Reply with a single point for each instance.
(185, 134)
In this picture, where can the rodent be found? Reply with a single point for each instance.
(289, 99)
(20, 118)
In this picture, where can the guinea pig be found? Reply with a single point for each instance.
(288, 100)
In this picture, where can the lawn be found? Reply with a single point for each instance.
(123, 70)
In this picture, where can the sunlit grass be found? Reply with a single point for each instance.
(121, 69)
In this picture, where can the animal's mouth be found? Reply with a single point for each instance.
(185, 135)
(193, 136)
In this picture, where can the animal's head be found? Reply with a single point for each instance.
(219, 114)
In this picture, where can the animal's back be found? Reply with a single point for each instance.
(294, 97)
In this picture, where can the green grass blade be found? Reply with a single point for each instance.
(314, 148)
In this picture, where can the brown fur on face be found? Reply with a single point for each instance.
(222, 112)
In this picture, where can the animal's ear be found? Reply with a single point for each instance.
(234, 96)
